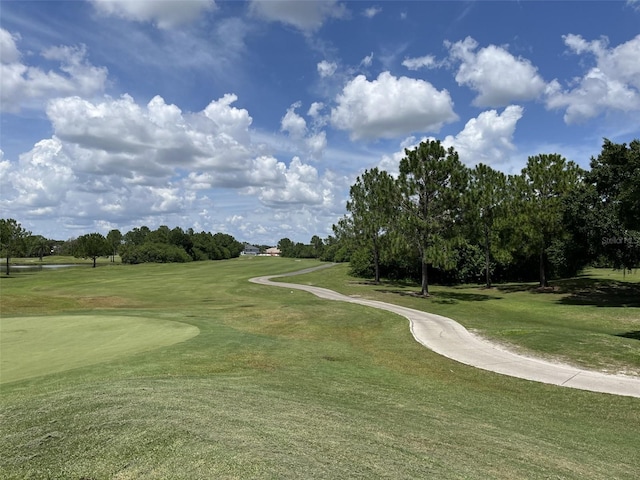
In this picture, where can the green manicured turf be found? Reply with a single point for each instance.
(592, 320)
(33, 346)
(280, 384)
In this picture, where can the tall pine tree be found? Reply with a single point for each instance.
(432, 182)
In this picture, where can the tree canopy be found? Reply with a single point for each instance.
(12, 239)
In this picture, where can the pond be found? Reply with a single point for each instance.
(35, 268)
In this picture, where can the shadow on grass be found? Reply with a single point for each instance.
(584, 290)
(600, 293)
(443, 297)
(635, 335)
(581, 290)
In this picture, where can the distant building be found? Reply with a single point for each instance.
(273, 252)
(250, 250)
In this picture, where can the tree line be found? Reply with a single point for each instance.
(440, 220)
(138, 245)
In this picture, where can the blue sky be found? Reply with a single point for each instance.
(255, 118)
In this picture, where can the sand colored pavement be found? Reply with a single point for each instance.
(450, 339)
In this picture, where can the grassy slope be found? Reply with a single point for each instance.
(279, 384)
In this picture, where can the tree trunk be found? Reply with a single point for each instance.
(424, 291)
(543, 277)
(7, 264)
(94, 262)
(487, 256)
(376, 263)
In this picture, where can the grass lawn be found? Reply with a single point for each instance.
(279, 384)
(592, 321)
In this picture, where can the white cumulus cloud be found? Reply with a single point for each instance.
(499, 77)
(293, 124)
(311, 143)
(488, 138)
(326, 69)
(391, 106)
(299, 184)
(612, 84)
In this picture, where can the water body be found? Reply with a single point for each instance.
(35, 268)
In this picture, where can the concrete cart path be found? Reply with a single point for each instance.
(452, 340)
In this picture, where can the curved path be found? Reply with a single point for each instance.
(452, 340)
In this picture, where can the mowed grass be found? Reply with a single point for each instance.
(591, 321)
(34, 346)
(280, 384)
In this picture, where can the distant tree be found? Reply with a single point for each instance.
(286, 247)
(333, 250)
(301, 250)
(39, 245)
(230, 247)
(373, 204)
(180, 238)
(161, 235)
(615, 173)
(484, 210)
(344, 243)
(318, 246)
(114, 237)
(605, 218)
(12, 239)
(68, 247)
(136, 236)
(92, 245)
(432, 181)
(546, 182)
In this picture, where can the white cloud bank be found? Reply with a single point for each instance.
(117, 162)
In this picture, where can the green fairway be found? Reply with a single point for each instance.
(281, 384)
(592, 321)
(33, 346)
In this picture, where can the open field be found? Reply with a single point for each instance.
(285, 385)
